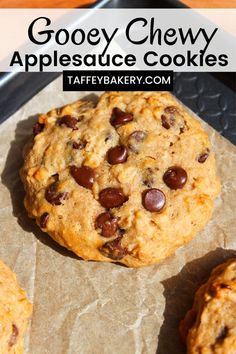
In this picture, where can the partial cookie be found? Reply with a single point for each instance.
(130, 179)
(210, 326)
(14, 312)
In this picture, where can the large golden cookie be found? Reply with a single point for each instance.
(130, 179)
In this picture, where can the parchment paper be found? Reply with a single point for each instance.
(94, 308)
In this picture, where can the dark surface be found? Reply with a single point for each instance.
(17, 88)
(210, 99)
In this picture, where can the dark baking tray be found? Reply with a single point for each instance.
(211, 96)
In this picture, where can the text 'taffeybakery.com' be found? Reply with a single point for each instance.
(118, 80)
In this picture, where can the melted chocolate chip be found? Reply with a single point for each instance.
(38, 128)
(80, 145)
(138, 135)
(112, 197)
(153, 200)
(14, 335)
(203, 157)
(84, 176)
(43, 220)
(170, 109)
(175, 177)
(167, 122)
(69, 121)
(117, 154)
(53, 196)
(120, 117)
(107, 224)
(113, 249)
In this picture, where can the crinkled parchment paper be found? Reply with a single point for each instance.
(94, 308)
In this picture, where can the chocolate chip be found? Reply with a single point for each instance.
(113, 249)
(183, 128)
(168, 119)
(170, 109)
(117, 154)
(14, 335)
(223, 334)
(76, 145)
(203, 157)
(69, 121)
(153, 199)
(80, 145)
(112, 197)
(107, 224)
(225, 286)
(167, 122)
(53, 196)
(120, 117)
(175, 177)
(38, 128)
(43, 220)
(138, 135)
(84, 176)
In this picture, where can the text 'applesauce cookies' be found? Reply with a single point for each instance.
(14, 313)
(129, 179)
(210, 326)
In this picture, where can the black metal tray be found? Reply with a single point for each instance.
(211, 96)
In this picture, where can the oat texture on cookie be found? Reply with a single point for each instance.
(14, 313)
(129, 179)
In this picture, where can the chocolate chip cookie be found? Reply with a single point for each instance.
(129, 179)
(14, 312)
(210, 326)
